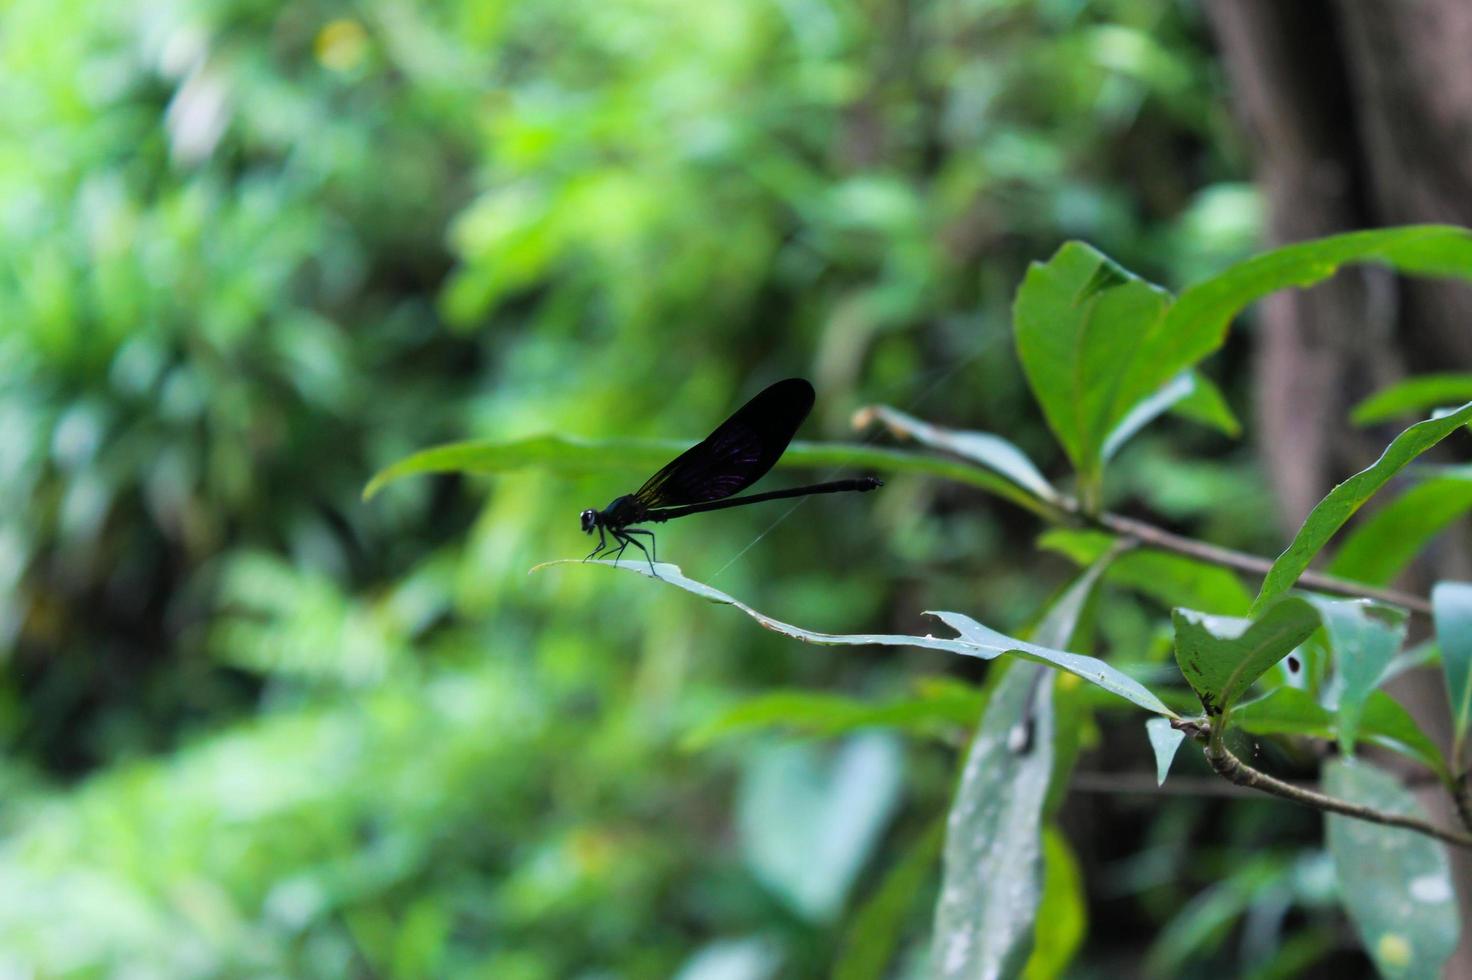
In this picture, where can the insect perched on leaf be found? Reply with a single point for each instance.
(733, 457)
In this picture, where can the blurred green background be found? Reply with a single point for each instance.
(252, 252)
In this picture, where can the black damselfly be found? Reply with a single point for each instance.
(733, 457)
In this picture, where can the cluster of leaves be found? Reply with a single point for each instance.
(1106, 353)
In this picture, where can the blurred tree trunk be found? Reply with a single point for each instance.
(1359, 115)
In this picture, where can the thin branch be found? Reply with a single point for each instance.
(1234, 769)
(1144, 784)
(1155, 537)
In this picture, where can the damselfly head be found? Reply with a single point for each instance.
(590, 520)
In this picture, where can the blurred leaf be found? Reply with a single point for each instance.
(1222, 656)
(1208, 406)
(1063, 912)
(1078, 321)
(1202, 924)
(874, 931)
(1330, 513)
(936, 712)
(1363, 639)
(1382, 546)
(807, 826)
(1170, 579)
(1395, 884)
(991, 451)
(992, 879)
(1164, 741)
(1189, 394)
(1197, 324)
(754, 958)
(1293, 711)
(564, 454)
(1413, 396)
(976, 640)
(1451, 604)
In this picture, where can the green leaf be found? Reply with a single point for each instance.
(992, 878)
(992, 451)
(809, 819)
(937, 711)
(1197, 324)
(564, 454)
(1329, 514)
(1091, 669)
(1293, 711)
(1190, 395)
(1207, 406)
(1364, 638)
(1380, 548)
(1164, 740)
(1413, 396)
(1395, 884)
(875, 930)
(1170, 579)
(1062, 913)
(1221, 656)
(1451, 607)
(1078, 322)
(1172, 393)
(976, 640)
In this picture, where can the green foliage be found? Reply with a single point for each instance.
(255, 724)
(1413, 396)
(1331, 513)
(1380, 547)
(1362, 639)
(1396, 886)
(1382, 720)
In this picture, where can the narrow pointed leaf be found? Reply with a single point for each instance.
(1364, 639)
(1396, 885)
(640, 457)
(1383, 545)
(1451, 604)
(875, 930)
(1413, 396)
(1330, 514)
(976, 640)
(1190, 395)
(992, 451)
(1091, 669)
(1144, 412)
(1208, 406)
(1164, 740)
(1221, 656)
(992, 880)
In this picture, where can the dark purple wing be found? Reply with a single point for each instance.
(740, 452)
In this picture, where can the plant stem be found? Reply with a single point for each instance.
(1235, 770)
(1155, 537)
